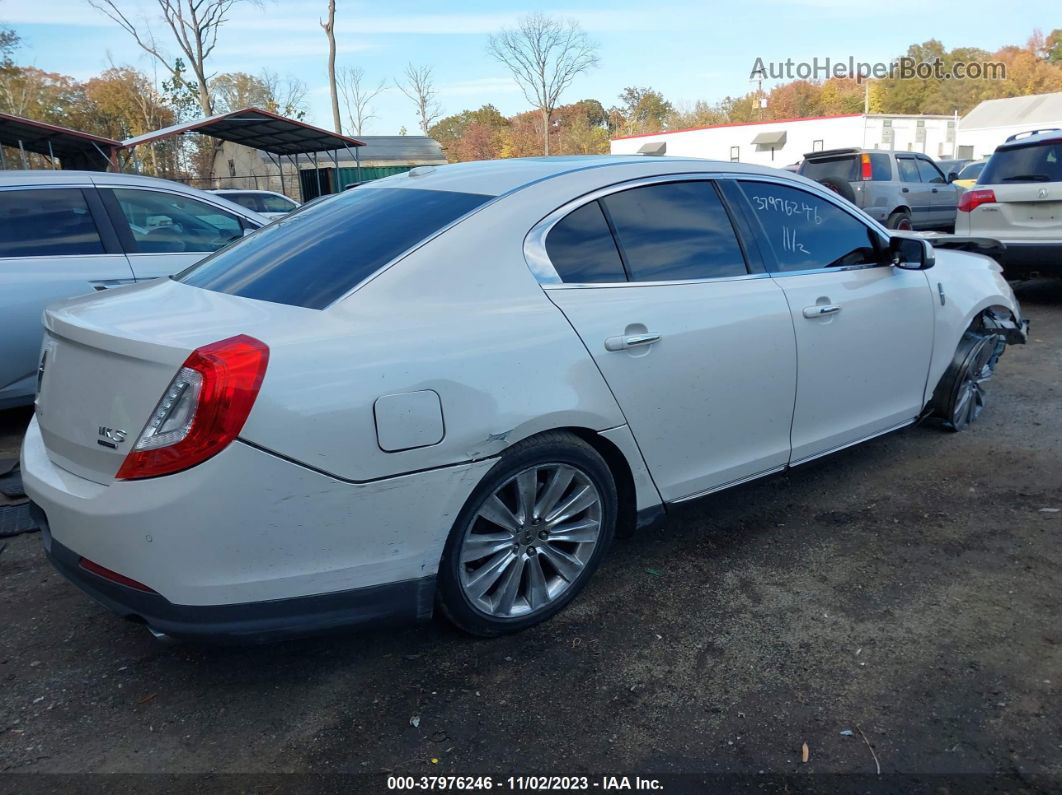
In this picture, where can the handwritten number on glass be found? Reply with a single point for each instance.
(788, 208)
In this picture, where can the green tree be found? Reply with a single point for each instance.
(643, 110)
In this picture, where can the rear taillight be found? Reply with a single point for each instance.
(867, 172)
(203, 409)
(972, 199)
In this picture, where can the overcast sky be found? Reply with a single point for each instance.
(687, 50)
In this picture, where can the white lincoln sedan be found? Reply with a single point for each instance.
(453, 388)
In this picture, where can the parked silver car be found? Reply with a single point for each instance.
(269, 203)
(903, 190)
(65, 233)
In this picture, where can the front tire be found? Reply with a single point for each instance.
(530, 536)
(960, 397)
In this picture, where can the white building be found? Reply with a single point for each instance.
(785, 141)
(994, 120)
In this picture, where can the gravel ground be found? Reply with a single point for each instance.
(906, 590)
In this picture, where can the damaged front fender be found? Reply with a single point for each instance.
(1013, 329)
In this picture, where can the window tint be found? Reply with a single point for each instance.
(843, 169)
(161, 222)
(806, 232)
(908, 169)
(1031, 163)
(46, 222)
(248, 200)
(312, 258)
(675, 230)
(581, 247)
(929, 172)
(880, 168)
(274, 204)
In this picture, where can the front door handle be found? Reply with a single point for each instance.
(905, 190)
(105, 284)
(628, 341)
(821, 310)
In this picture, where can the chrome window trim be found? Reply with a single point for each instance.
(183, 195)
(542, 268)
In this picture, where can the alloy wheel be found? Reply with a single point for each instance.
(970, 398)
(530, 540)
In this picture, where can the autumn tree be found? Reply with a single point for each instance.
(484, 127)
(643, 110)
(545, 54)
(236, 90)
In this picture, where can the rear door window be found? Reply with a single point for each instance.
(312, 258)
(160, 222)
(47, 222)
(675, 231)
(908, 169)
(582, 249)
(1040, 162)
(248, 200)
(880, 167)
(843, 169)
(268, 203)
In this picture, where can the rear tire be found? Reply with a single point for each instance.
(516, 555)
(960, 396)
(901, 220)
(840, 187)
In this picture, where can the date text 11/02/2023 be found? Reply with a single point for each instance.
(523, 783)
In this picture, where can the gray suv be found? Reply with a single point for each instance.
(903, 190)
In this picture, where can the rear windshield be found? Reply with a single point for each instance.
(847, 168)
(312, 257)
(1040, 162)
(842, 169)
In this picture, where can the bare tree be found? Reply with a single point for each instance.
(194, 25)
(330, 32)
(545, 54)
(358, 96)
(287, 95)
(418, 85)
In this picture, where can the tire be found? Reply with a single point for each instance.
(900, 219)
(489, 576)
(840, 187)
(960, 396)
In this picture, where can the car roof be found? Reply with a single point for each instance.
(1032, 140)
(245, 190)
(498, 177)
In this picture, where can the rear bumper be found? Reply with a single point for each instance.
(254, 622)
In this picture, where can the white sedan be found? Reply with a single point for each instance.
(453, 387)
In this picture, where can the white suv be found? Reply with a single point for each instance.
(1018, 201)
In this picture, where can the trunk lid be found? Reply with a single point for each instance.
(1031, 209)
(108, 359)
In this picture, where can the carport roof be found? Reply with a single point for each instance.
(258, 129)
(51, 139)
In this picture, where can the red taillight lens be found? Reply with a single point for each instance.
(867, 171)
(203, 410)
(972, 199)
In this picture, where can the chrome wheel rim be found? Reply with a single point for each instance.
(970, 400)
(530, 540)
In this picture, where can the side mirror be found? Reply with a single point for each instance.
(911, 253)
(952, 176)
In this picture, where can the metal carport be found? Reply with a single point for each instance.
(72, 149)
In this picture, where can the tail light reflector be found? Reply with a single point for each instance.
(113, 576)
(972, 199)
(867, 172)
(203, 409)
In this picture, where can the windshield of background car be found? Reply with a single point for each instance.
(842, 169)
(312, 257)
(1039, 162)
(973, 171)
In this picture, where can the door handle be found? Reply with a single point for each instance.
(935, 190)
(821, 310)
(905, 190)
(104, 284)
(630, 341)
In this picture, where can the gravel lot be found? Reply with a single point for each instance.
(907, 589)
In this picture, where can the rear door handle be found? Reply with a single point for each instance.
(821, 310)
(628, 341)
(905, 190)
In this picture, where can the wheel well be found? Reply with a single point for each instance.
(903, 208)
(621, 471)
